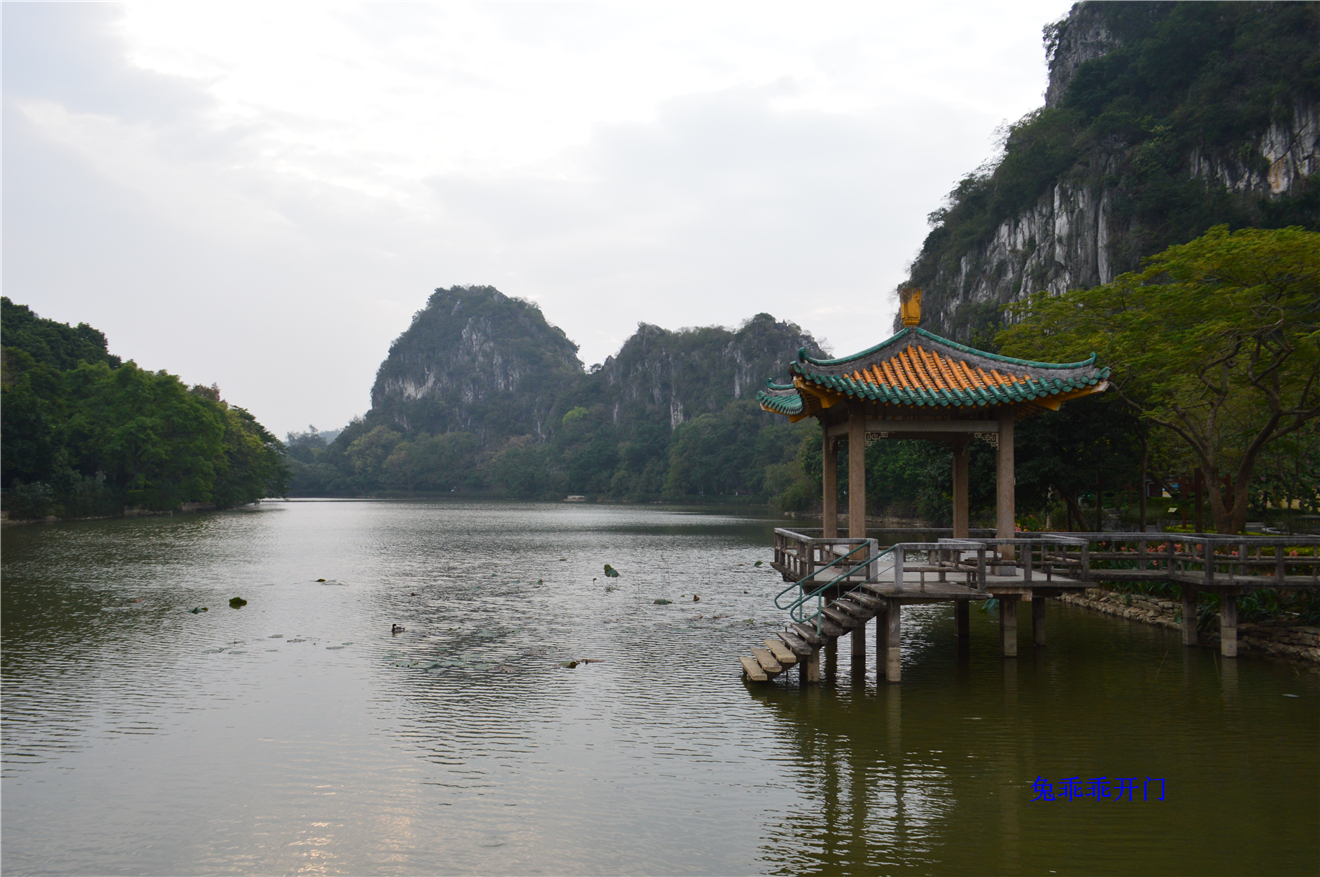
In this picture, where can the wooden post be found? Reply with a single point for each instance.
(893, 654)
(811, 668)
(1008, 623)
(961, 618)
(857, 475)
(1005, 483)
(961, 517)
(1189, 615)
(1037, 620)
(830, 510)
(1228, 625)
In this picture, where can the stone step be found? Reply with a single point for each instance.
(767, 661)
(752, 670)
(800, 647)
(782, 653)
(856, 610)
(808, 634)
(841, 618)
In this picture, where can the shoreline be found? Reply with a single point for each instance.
(1294, 643)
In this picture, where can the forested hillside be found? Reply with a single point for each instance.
(1161, 121)
(86, 434)
(481, 393)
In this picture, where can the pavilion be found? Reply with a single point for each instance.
(917, 385)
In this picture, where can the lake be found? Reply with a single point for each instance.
(297, 734)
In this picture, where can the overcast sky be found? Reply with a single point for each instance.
(262, 195)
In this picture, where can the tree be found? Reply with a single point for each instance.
(1216, 340)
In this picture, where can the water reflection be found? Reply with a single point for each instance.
(298, 735)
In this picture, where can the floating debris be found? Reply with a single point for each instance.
(331, 648)
(236, 602)
(663, 602)
(611, 572)
(568, 665)
(212, 651)
(320, 580)
(199, 609)
(696, 598)
(276, 636)
(758, 563)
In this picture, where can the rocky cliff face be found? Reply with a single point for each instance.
(673, 376)
(1087, 226)
(475, 360)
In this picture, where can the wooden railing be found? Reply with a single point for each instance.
(1204, 560)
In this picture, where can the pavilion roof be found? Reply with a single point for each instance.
(916, 369)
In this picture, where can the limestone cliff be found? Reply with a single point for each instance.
(475, 360)
(664, 375)
(1160, 120)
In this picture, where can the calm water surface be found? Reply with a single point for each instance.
(297, 735)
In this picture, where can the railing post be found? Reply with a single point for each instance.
(1086, 560)
(980, 567)
(1280, 564)
(898, 567)
(1027, 551)
(1208, 558)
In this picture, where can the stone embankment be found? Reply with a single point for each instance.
(1293, 642)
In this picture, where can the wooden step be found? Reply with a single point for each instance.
(752, 669)
(767, 661)
(841, 618)
(800, 647)
(782, 653)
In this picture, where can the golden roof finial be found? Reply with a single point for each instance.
(909, 308)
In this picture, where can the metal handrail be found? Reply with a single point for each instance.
(794, 608)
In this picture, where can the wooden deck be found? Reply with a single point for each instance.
(840, 584)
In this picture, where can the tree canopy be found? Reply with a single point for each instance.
(1216, 340)
(86, 435)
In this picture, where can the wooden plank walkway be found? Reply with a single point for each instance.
(852, 586)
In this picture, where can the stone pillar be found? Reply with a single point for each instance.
(811, 668)
(961, 517)
(1005, 482)
(1189, 615)
(1008, 624)
(893, 634)
(1228, 625)
(857, 475)
(859, 641)
(830, 491)
(1038, 620)
(962, 618)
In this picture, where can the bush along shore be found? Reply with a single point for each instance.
(1282, 634)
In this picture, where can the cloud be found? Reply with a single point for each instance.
(262, 195)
